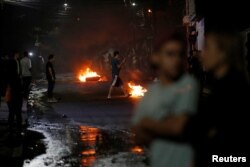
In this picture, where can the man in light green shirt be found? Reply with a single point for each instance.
(176, 94)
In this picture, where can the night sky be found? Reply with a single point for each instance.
(83, 29)
(90, 27)
(86, 29)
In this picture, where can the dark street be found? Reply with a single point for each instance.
(87, 124)
(124, 83)
(87, 103)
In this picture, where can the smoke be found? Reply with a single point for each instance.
(85, 37)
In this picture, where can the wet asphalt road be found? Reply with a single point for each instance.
(87, 103)
(84, 128)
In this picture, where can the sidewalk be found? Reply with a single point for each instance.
(11, 147)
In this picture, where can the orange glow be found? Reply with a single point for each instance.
(88, 161)
(136, 90)
(89, 136)
(137, 150)
(89, 152)
(88, 73)
(103, 79)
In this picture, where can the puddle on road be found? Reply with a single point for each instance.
(98, 147)
(89, 137)
(102, 147)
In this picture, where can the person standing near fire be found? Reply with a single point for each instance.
(116, 68)
(26, 74)
(51, 78)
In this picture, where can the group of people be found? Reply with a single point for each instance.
(180, 126)
(16, 78)
(15, 85)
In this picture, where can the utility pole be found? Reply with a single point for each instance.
(1, 4)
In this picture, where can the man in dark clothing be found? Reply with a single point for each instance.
(221, 127)
(3, 72)
(14, 92)
(116, 80)
(51, 77)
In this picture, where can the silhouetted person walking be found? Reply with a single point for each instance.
(51, 78)
(116, 80)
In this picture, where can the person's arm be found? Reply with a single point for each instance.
(176, 126)
(170, 129)
(192, 129)
(122, 63)
(51, 73)
(141, 135)
(172, 126)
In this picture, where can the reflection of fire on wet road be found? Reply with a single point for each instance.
(89, 137)
(116, 147)
(88, 75)
(136, 90)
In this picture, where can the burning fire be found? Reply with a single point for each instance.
(136, 90)
(88, 74)
(137, 150)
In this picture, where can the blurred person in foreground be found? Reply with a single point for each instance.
(26, 74)
(3, 74)
(51, 78)
(221, 126)
(116, 80)
(175, 94)
(14, 92)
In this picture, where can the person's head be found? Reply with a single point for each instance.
(172, 60)
(223, 49)
(16, 55)
(116, 55)
(25, 54)
(51, 58)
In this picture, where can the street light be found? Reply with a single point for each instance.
(65, 5)
(149, 11)
(31, 53)
(133, 4)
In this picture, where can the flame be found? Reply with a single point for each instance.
(88, 73)
(136, 90)
(137, 150)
